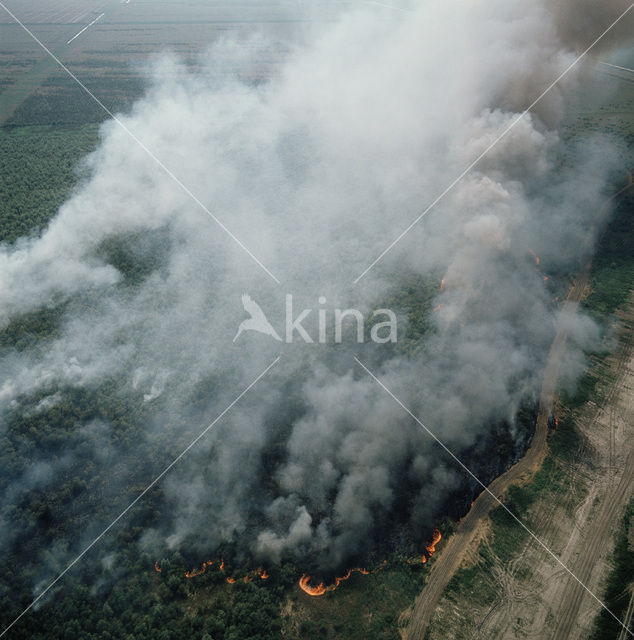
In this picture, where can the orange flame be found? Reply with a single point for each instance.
(304, 583)
(198, 572)
(442, 284)
(535, 256)
(156, 567)
(431, 546)
(321, 588)
(338, 581)
(423, 560)
(439, 307)
(262, 573)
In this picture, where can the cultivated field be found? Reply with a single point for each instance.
(107, 44)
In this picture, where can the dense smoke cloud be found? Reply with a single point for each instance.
(316, 171)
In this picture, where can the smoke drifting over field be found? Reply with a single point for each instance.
(316, 171)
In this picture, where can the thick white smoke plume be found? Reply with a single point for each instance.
(316, 171)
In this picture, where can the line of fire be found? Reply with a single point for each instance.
(305, 580)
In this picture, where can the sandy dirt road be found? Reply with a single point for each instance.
(627, 622)
(532, 595)
(620, 486)
(452, 554)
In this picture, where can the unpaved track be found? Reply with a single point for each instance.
(628, 618)
(574, 593)
(451, 556)
(617, 494)
(532, 592)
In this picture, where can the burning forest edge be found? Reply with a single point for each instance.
(304, 582)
